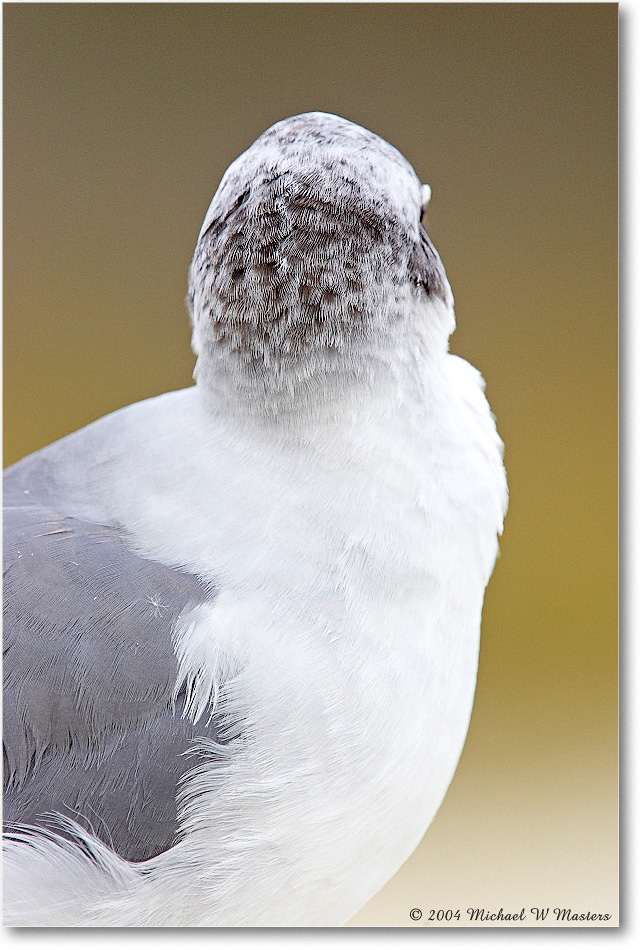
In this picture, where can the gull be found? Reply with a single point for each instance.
(242, 620)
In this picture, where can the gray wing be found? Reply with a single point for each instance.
(92, 729)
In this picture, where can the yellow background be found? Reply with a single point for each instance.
(119, 122)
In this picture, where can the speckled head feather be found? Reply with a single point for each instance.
(310, 259)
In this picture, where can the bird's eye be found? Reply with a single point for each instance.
(425, 198)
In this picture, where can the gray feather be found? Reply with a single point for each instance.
(92, 729)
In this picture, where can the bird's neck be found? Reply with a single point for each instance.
(388, 367)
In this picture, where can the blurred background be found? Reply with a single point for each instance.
(119, 121)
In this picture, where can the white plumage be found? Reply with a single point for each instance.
(334, 483)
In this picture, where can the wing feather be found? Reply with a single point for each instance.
(92, 728)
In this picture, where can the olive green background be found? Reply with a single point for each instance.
(119, 121)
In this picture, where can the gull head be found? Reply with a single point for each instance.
(313, 276)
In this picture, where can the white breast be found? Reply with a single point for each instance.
(351, 564)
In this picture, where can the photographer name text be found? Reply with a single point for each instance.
(480, 915)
